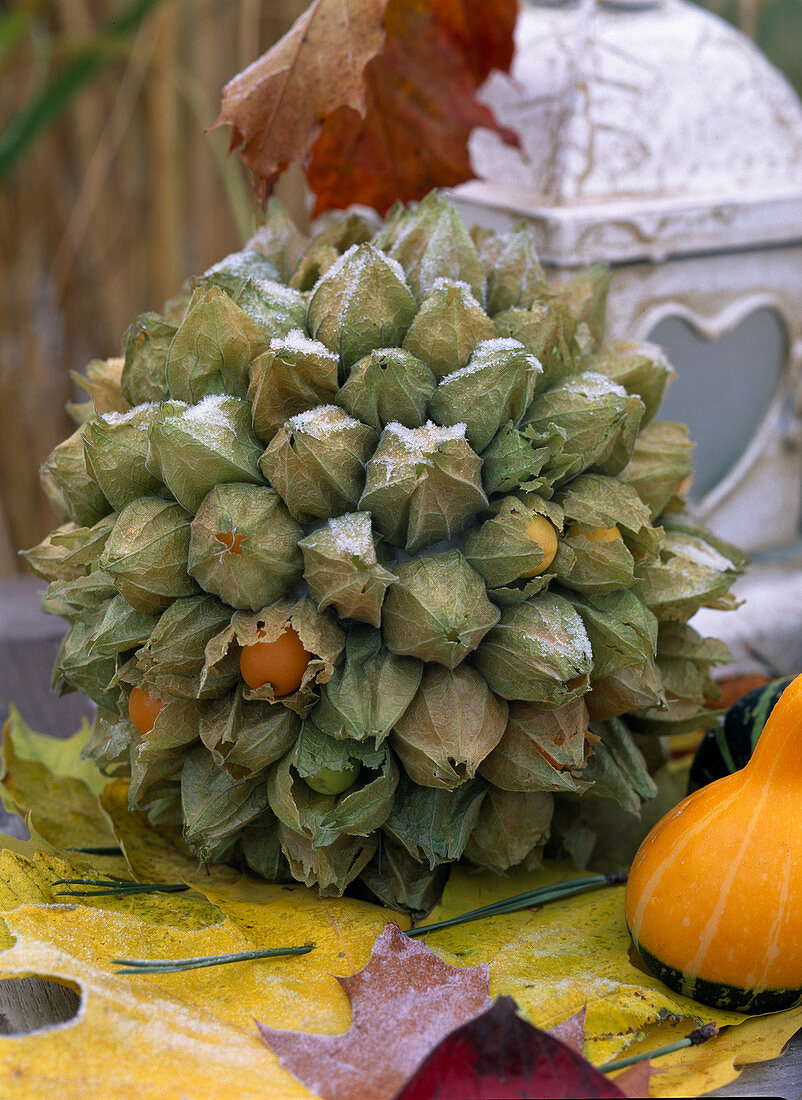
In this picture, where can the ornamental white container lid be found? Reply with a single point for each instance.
(646, 129)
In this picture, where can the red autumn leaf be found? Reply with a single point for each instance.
(403, 1002)
(633, 1081)
(498, 1055)
(405, 132)
(277, 105)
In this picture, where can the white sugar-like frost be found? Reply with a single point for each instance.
(593, 384)
(703, 554)
(114, 418)
(213, 413)
(348, 269)
(465, 289)
(322, 421)
(352, 534)
(297, 340)
(417, 445)
(484, 354)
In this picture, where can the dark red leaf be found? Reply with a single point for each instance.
(499, 1056)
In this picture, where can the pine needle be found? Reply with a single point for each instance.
(175, 966)
(101, 888)
(555, 892)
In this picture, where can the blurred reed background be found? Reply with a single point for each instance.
(112, 191)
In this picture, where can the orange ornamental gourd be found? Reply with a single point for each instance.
(714, 897)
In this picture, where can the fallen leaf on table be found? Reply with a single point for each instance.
(47, 782)
(498, 1055)
(403, 1003)
(376, 98)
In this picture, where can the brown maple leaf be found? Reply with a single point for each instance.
(403, 1002)
(395, 123)
(278, 104)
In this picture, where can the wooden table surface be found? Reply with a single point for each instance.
(29, 641)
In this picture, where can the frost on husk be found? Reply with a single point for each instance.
(368, 438)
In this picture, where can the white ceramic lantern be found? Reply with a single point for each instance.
(657, 139)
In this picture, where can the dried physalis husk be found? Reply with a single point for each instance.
(316, 462)
(515, 277)
(660, 465)
(388, 385)
(448, 326)
(495, 386)
(73, 493)
(548, 330)
(193, 448)
(279, 239)
(244, 546)
(341, 568)
(329, 868)
(438, 611)
(401, 882)
(642, 369)
(517, 544)
(245, 737)
(694, 569)
(512, 829)
(214, 806)
(293, 375)
(146, 554)
(432, 823)
(102, 381)
(538, 651)
(115, 450)
(145, 346)
(318, 633)
(361, 303)
(541, 750)
(423, 484)
(450, 726)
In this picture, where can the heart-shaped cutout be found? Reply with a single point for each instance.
(724, 387)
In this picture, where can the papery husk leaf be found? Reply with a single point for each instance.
(541, 750)
(633, 688)
(361, 303)
(279, 239)
(173, 658)
(52, 560)
(515, 277)
(621, 629)
(369, 690)
(232, 272)
(660, 463)
(336, 232)
(438, 611)
(146, 554)
(422, 484)
(341, 568)
(513, 828)
(513, 461)
(331, 868)
(501, 550)
(358, 811)
(434, 824)
(76, 669)
(102, 380)
(605, 502)
(145, 346)
(548, 330)
(195, 447)
(431, 242)
(641, 368)
(214, 806)
(316, 462)
(538, 651)
(496, 385)
(617, 768)
(82, 545)
(109, 743)
(213, 348)
(244, 546)
(585, 295)
(694, 570)
(80, 598)
(401, 882)
(319, 636)
(157, 760)
(293, 375)
(260, 845)
(598, 566)
(450, 726)
(115, 450)
(448, 326)
(245, 737)
(684, 660)
(599, 418)
(72, 492)
(120, 628)
(388, 385)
